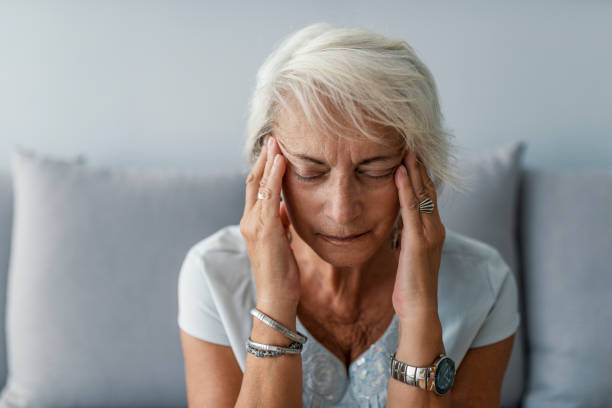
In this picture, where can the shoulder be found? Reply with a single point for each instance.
(463, 245)
(227, 239)
(216, 289)
(472, 276)
(473, 260)
(222, 257)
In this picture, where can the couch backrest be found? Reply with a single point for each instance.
(108, 244)
(6, 223)
(566, 246)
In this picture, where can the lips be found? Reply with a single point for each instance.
(343, 238)
(347, 237)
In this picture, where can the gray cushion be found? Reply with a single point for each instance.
(489, 213)
(92, 302)
(567, 247)
(6, 224)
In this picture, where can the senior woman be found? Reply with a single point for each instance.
(341, 286)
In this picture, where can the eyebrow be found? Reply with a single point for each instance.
(365, 161)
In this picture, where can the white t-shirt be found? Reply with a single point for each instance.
(477, 305)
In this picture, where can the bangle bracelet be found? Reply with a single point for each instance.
(262, 353)
(269, 350)
(295, 336)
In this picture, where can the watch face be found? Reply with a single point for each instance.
(445, 374)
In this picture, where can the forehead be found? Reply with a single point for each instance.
(293, 130)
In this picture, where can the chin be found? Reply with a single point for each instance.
(342, 259)
(344, 255)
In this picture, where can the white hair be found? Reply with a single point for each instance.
(367, 77)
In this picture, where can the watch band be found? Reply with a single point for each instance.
(421, 377)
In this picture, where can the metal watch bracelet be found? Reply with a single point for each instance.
(295, 336)
(421, 377)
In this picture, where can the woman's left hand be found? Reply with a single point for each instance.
(415, 293)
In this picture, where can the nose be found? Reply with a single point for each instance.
(344, 203)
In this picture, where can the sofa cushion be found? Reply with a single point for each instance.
(6, 224)
(566, 232)
(489, 213)
(92, 302)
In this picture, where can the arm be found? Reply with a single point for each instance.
(420, 342)
(272, 381)
(415, 294)
(212, 373)
(479, 378)
(481, 374)
(213, 376)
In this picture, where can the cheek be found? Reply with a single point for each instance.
(299, 201)
(385, 194)
(292, 190)
(386, 204)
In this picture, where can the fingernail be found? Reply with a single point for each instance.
(402, 170)
(270, 143)
(276, 158)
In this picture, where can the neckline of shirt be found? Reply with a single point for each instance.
(380, 342)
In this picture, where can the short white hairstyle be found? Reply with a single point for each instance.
(367, 77)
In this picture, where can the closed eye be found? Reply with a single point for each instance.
(372, 176)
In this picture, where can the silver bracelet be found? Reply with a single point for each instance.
(262, 353)
(270, 350)
(295, 336)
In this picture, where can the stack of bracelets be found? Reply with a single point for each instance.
(269, 350)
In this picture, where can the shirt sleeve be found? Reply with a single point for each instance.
(503, 318)
(197, 312)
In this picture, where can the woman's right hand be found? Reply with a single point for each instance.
(264, 226)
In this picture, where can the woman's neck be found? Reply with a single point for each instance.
(345, 291)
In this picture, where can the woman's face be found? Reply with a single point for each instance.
(339, 188)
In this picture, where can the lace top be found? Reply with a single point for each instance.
(326, 383)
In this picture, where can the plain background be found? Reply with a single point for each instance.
(165, 84)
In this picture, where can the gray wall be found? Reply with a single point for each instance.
(166, 84)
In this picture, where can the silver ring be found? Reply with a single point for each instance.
(426, 206)
(263, 193)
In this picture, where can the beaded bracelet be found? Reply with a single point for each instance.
(295, 336)
(269, 350)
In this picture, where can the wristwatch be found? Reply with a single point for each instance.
(438, 377)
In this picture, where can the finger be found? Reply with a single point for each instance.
(252, 181)
(432, 222)
(409, 205)
(274, 182)
(269, 158)
(429, 188)
(426, 181)
(415, 177)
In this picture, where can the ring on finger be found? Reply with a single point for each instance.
(426, 206)
(264, 193)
